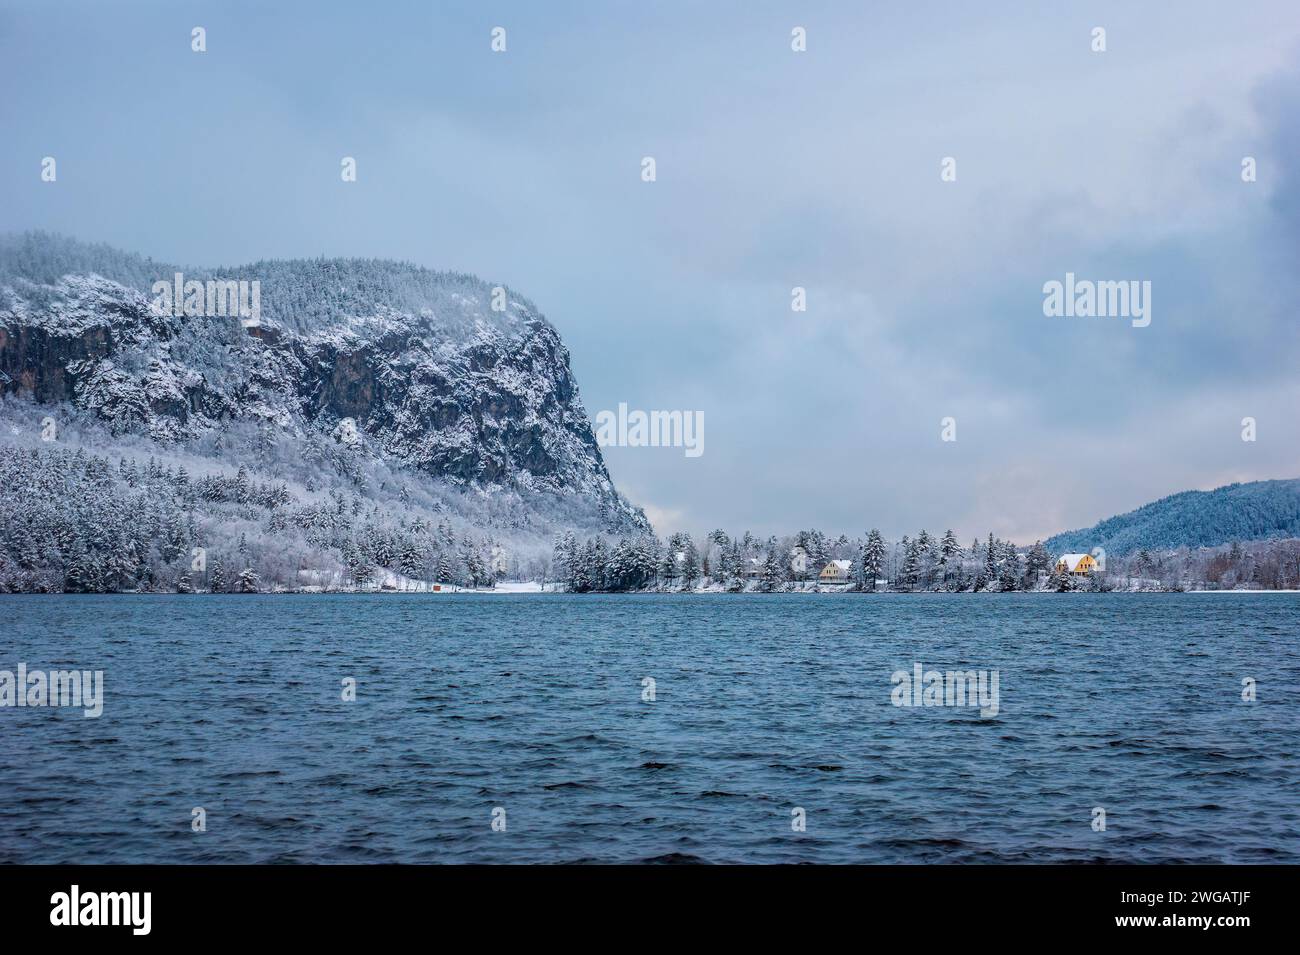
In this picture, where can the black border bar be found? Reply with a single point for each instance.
(658, 904)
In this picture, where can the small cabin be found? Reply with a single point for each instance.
(1077, 565)
(835, 572)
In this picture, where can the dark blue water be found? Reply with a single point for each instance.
(534, 704)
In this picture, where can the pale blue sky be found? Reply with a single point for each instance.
(776, 169)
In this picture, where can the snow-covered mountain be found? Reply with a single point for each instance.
(1259, 510)
(352, 361)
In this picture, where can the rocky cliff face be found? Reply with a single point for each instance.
(412, 366)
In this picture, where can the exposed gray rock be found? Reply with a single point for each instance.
(433, 378)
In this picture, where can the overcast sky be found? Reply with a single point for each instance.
(775, 169)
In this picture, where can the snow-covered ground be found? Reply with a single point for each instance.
(1242, 590)
(391, 582)
(522, 587)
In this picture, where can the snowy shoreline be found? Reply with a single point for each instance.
(531, 587)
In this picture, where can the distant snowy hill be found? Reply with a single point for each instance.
(354, 363)
(1238, 512)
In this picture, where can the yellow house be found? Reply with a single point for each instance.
(1077, 565)
(835, 572)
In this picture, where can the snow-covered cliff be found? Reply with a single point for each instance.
(373, 359)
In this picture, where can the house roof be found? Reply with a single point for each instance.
(1071, 561)
(836, 564)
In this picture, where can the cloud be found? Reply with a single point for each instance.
(776, 169)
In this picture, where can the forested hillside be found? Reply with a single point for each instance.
(72, 521)
(1259, 510)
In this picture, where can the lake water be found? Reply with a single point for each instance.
(763, 704)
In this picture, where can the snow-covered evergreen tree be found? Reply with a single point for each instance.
(690, 565)
(911, 565)
(248, 582)
(1038, 561)
(873, 558)
(217, 582)
(949, 556)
